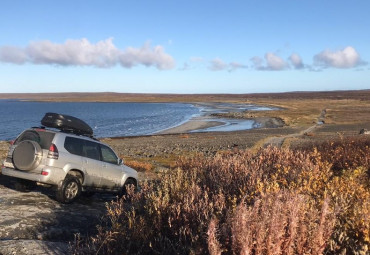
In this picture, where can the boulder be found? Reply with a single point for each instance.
(364, 132)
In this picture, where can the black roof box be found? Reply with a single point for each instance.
(66, 123)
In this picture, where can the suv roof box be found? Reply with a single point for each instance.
(66, 123)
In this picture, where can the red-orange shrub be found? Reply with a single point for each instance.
(273, 201)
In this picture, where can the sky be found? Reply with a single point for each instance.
(184, 46)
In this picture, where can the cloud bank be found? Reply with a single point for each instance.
(104, 54)
(346, 58)
(81, 52)
(271, 62)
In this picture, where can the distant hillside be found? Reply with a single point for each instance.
(133, 97)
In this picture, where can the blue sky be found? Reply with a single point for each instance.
(184, 46)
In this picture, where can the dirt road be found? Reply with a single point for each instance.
(278, 141)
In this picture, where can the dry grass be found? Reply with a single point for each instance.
(139, 165)
(303, 112)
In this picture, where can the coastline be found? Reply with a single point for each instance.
(206, 120)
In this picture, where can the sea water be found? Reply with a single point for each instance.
(106, 119)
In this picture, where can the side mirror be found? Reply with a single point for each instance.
(120, 161)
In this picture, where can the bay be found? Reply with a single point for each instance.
(106, 119)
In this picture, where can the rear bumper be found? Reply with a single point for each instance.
(54, 176)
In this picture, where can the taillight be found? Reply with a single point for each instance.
(53, 152)
(11, 142)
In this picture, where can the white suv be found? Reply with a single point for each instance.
(70, 162)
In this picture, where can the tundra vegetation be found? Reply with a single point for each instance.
(311, 200)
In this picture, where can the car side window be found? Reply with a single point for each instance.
(108, 155)
(91, 150)
(73, 145)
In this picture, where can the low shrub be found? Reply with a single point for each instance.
(139, 165)
(274, 201)
(277, 223)
(344, 152)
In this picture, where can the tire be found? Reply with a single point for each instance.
(129, 182)
(69, 191)
(27, 155)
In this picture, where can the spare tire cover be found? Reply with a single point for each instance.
(27, 155)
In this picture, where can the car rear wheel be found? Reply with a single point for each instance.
(69, 190)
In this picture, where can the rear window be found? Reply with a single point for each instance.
(43, 138)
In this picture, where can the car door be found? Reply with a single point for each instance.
(112, 172)
(92, 164)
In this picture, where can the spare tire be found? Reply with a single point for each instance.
(27, 155)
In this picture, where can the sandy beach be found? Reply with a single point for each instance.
(208, 118)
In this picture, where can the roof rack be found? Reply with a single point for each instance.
(68, 131)
(75, 132)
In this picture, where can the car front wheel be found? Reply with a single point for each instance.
(69, 190)
(129, 182)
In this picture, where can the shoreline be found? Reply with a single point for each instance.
(206, 120)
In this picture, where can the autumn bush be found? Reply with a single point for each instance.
(273, 201)
(344, 152)
(138, 165)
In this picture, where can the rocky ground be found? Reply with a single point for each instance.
(34, 223)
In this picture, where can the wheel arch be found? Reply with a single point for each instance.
(128, 177)
(77, 173)
(131, 178)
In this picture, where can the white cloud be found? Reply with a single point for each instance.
(257, 62)
(219, 65)
(272, 62)
(296, 61)
(235, 65)
(83, 53)
(147, 56)
(346, 58)
(12, 54)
